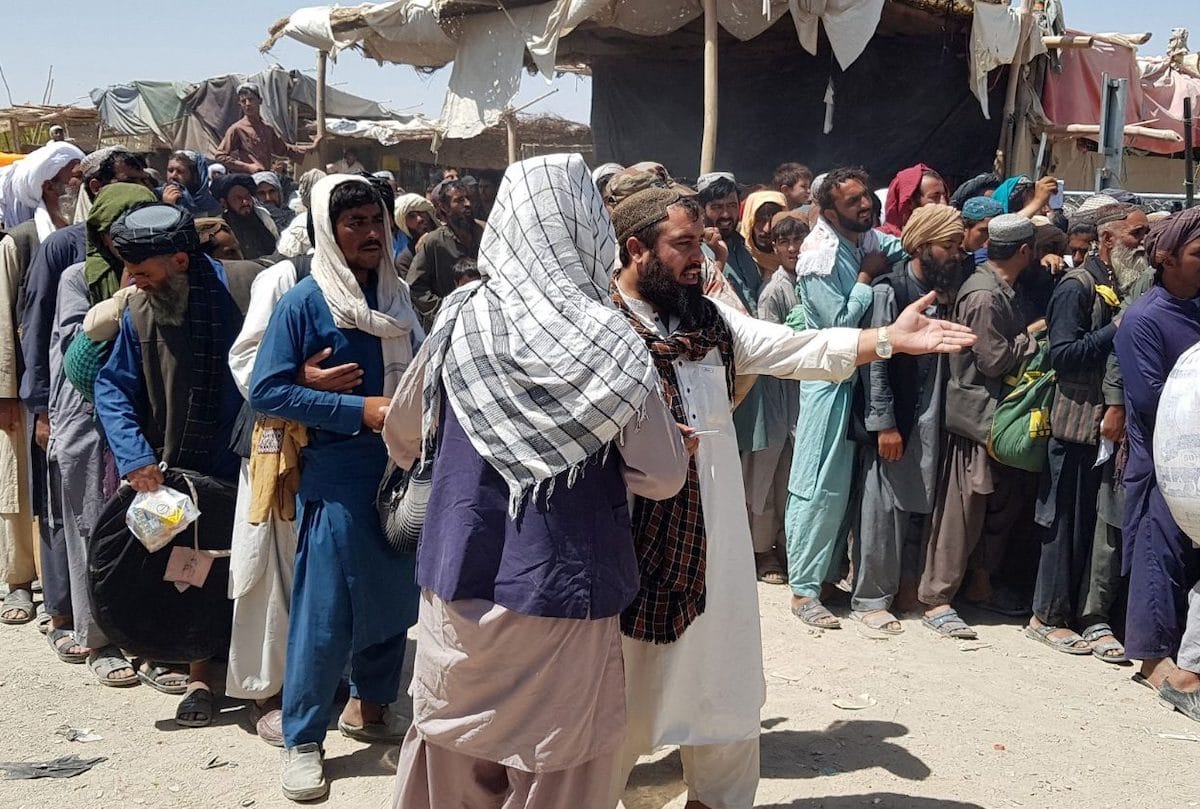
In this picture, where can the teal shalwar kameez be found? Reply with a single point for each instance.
(817, 519)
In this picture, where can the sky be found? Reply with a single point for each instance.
(171, 40)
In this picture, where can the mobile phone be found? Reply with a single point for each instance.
(1058, 198)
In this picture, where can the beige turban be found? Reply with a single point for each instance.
(931, 223)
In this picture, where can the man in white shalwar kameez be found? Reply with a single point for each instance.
(37, 197)
(693, 651)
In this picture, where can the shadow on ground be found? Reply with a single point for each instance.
(880, 800)
(796, 754)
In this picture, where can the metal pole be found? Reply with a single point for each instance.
(1112, 131)
(708, 146)
(1189, 170)
(322, 146)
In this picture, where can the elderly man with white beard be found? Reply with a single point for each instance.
(38, 195)
(1082, 319)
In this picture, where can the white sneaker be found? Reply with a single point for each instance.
(303, 773)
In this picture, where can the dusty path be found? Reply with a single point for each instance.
(1001, 722)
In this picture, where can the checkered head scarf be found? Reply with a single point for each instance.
(540, 368)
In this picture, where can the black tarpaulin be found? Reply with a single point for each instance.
(905, 100)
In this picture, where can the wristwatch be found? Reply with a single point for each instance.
(883, 346)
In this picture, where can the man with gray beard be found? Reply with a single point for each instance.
(166, 393)
(1082, 321)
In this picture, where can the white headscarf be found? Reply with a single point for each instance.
(406, 204)
(541, 369)
(21, 183)
(395, 320)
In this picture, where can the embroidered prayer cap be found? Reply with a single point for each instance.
(1171, 235)
(931, 223)
(782, 215)
(977, 209)
(628, 182)
(705, 180)
(247, 87)
(90, 164)
(1010, 228)
(643, 209)
(154, 230)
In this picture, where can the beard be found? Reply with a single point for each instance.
(170, 301)
(657, 286)
(852, 225)
(68, 198)
(1128, 265)
(945, 276)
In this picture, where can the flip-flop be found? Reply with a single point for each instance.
(58, 633)
(1065, 645)
(196, 710)
(769, 569)
(880, 622)
(155, 677)
(390, 731)
(1143, 680)
(19, 599)
(104, 662)
(813, 612)
(1099, 650)
(1186, 702)
(950, 625)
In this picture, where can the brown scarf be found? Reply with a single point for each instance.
(669, 534)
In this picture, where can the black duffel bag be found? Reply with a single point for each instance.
(136, 608)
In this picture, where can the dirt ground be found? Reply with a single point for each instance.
(1000, 722)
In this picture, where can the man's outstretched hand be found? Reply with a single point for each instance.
(915, 333)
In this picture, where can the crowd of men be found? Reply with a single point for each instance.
(637, 396)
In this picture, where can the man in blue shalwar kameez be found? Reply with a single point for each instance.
(1160, 560)
(353, 597)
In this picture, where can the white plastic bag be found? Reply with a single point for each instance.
(157, 517)
(1177, 443)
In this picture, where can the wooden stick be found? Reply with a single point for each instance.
(1131, 131)
(514, 144)
(1066, 42)
(708, 145)
(322, 146)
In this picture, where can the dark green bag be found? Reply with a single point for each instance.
(82, 362)
(1020, 432)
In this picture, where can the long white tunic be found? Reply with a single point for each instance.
(263, 556)
(708, 687)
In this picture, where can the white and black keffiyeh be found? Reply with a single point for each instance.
(541, 370)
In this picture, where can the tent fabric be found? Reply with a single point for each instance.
(936, 119)
(1155, 95)
(195, 116)
(488, 49)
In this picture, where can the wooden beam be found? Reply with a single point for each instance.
(322, 146)
(1067, 42)
(708, 145)
(1131, 131)
(514, 140)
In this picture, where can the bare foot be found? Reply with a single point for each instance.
(1183, 680)
(1156, 672)
(359, 713)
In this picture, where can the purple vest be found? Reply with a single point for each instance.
(571, 557)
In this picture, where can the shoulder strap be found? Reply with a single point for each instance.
(303, 265)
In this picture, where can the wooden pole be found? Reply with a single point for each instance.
(1189, 182)
(1008, 132)
(1065, 42)
(322, 146)
(1131, 131)
(708, 146)
(514, 141)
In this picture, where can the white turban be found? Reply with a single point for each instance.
(21, 183)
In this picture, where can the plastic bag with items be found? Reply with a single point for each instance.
(1177, 443)
(157, 517)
